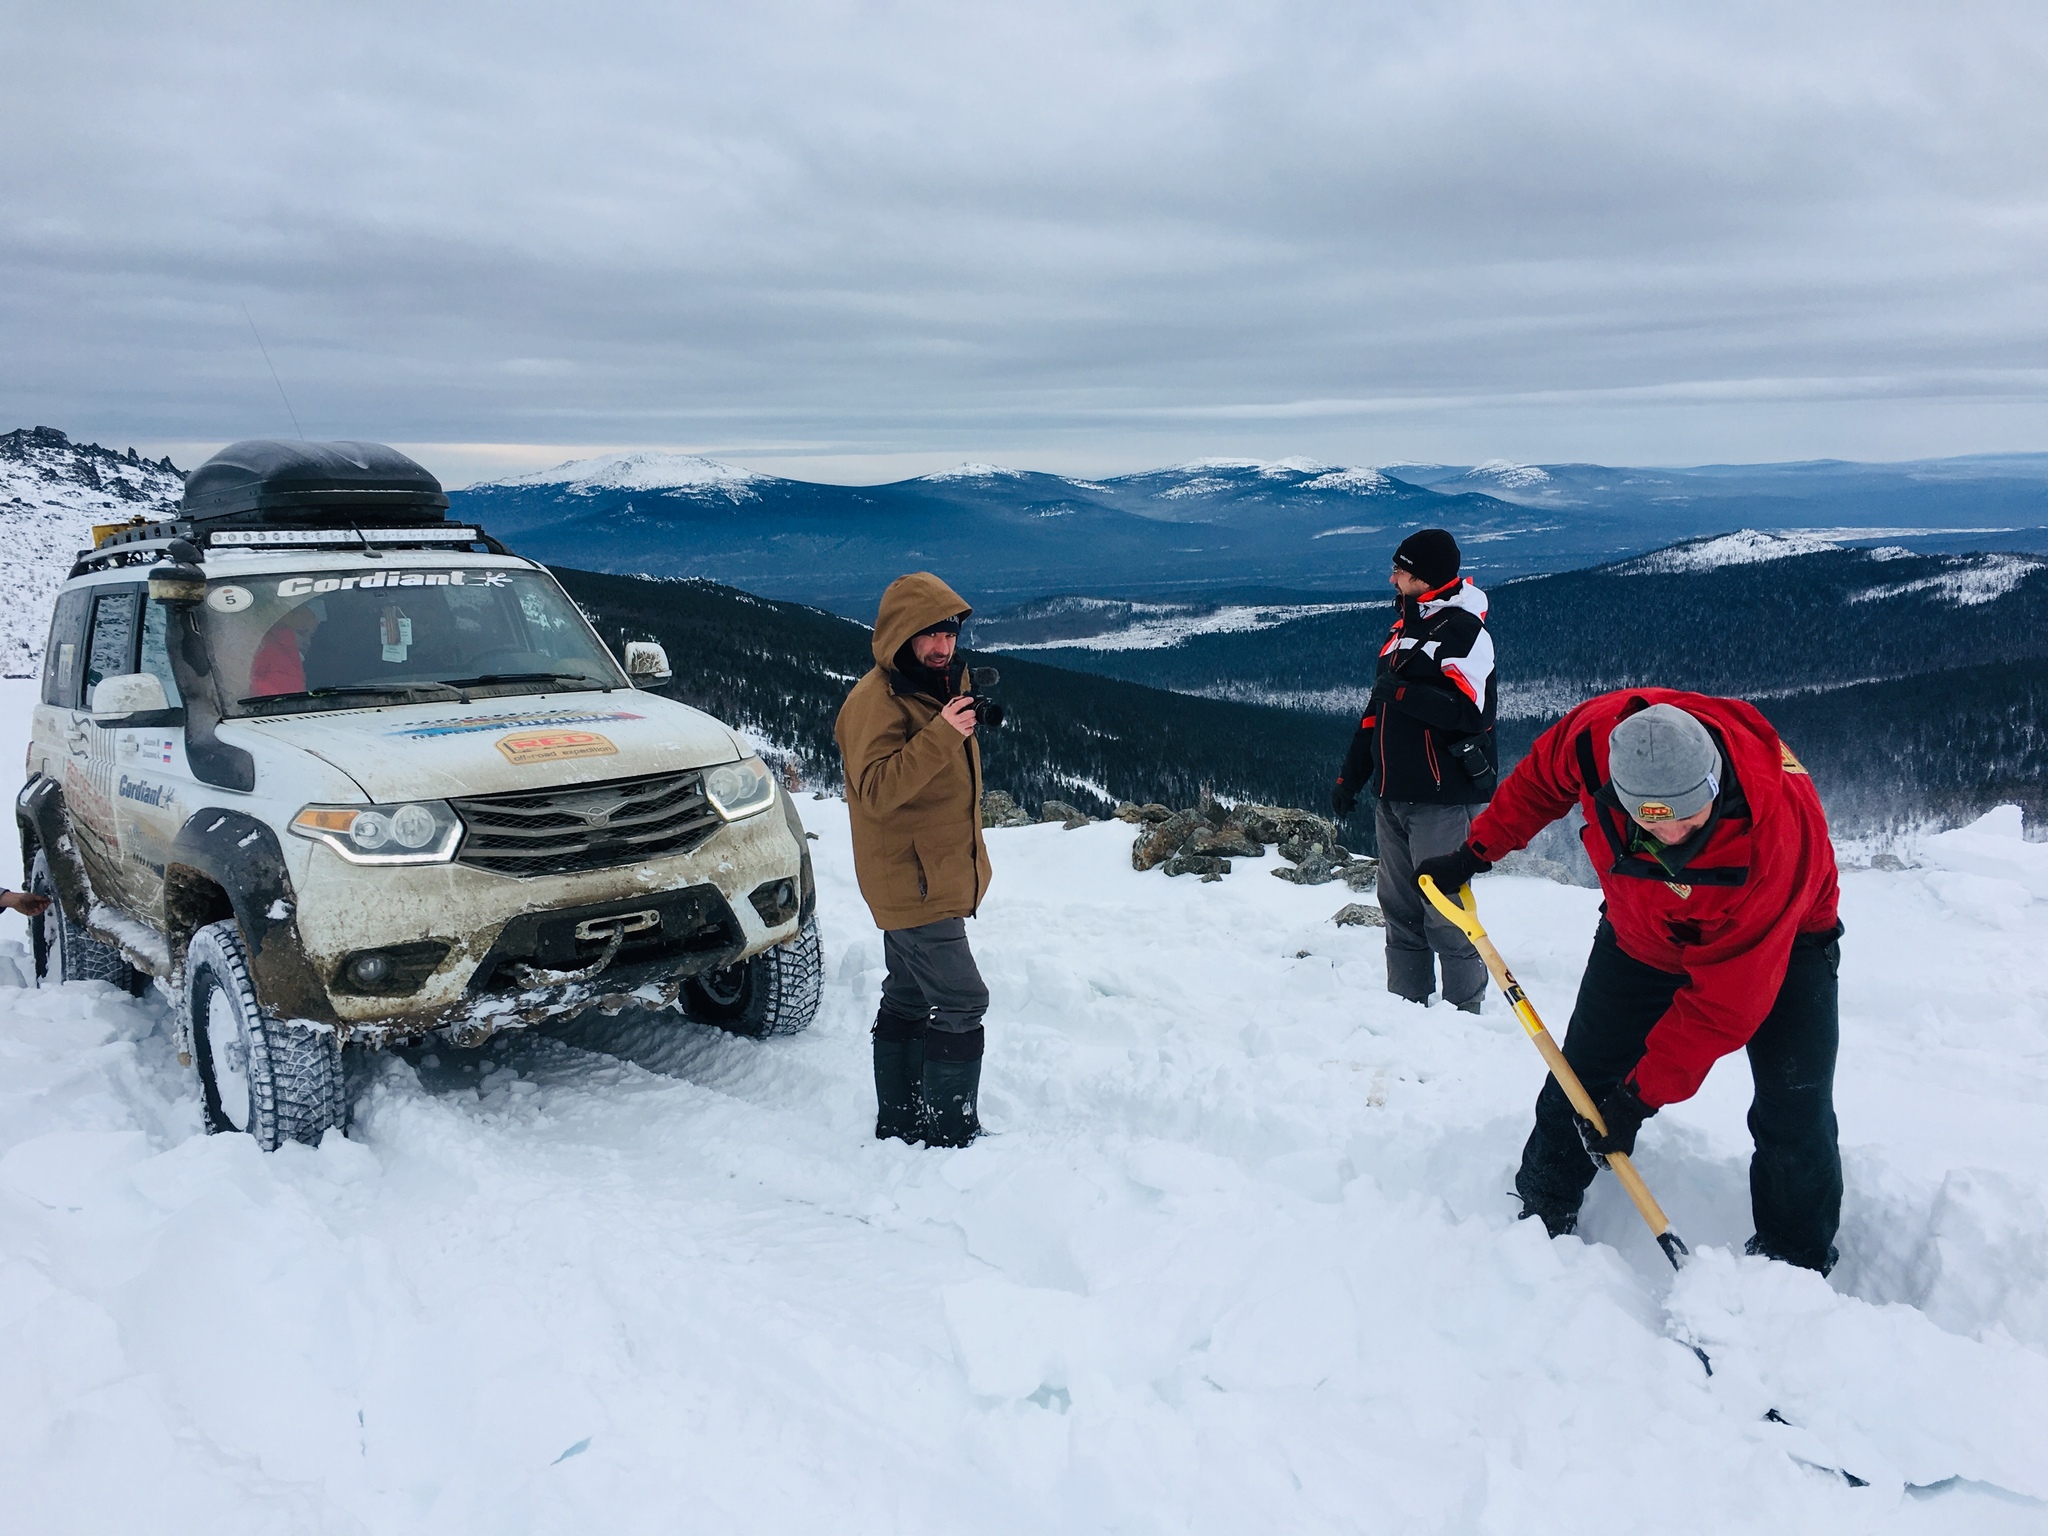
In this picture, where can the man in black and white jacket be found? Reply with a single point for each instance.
(1426, 746)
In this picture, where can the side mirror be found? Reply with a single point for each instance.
(646, 663)
(177, 583)
(116, 699)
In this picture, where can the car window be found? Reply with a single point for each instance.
(156, 656)
(334, 639)
(111, 650)
(67, 646)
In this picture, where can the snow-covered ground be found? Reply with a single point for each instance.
(1237, 1256)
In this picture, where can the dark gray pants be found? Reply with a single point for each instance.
(933, 979)
(1417, 936)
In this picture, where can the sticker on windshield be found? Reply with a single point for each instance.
(467, 725)
(555, 746)
(229, 599)
(314, 586)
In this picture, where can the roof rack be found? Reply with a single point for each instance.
(143, 543)
(262, 494)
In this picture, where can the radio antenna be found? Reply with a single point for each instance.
(287, 399)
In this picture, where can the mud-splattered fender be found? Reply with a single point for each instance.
(809, 885)
(241, 856)
(46, 828)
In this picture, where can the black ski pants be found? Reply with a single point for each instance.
(933, 991)
(1795, 1176)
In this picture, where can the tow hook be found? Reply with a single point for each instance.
(534, 976)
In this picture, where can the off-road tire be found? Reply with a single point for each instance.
(66, 952)
(275, 1080)
(775, 993)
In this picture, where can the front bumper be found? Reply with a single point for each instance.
(519, 951)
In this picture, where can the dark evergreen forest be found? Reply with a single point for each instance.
(782, 670)
(1960, 733)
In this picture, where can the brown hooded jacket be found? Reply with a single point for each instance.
(913, 785)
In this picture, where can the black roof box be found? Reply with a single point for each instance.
(313, 483)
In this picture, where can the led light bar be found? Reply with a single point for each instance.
(269, 537)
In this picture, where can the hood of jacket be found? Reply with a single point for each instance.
(912, 603)
(1464, 595)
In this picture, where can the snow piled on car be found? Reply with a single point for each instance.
(1237, 1255)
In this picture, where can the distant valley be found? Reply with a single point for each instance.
(1190, 532)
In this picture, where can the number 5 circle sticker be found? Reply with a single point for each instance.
(229, 599)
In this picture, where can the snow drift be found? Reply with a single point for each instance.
(1237, 1258)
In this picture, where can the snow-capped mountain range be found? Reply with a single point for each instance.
(1007, 535)
(52, 493)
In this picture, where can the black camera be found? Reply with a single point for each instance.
(988, 713)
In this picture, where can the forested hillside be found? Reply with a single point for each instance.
(782, 670)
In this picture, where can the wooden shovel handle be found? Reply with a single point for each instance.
(1465, 913)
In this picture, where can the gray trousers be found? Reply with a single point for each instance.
(1417, 935)
(933, 978)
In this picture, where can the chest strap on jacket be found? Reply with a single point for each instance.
(1608, 813)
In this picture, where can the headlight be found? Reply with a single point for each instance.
(421, 832)
(744, 788)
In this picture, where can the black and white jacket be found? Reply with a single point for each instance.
(1427, 735)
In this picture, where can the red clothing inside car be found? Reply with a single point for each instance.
(278, 667)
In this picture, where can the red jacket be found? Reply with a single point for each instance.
(1765, 875)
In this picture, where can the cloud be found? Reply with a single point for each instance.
(1085, 235)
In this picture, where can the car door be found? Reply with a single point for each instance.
(152, 784)
(90, 770)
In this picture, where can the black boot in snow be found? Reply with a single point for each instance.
(952, 1087)
(1824, 1264)
(899, 1064)
(1557, 1222)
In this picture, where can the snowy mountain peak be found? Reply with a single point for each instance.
(1267, 469)
(52, 492)
(975, 472)
(1746, 546)
(643, 470)
(1359, 482)
(1508, 475)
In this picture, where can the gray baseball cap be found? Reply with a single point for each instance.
(1663, 764)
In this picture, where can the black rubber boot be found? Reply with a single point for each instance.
(952, 1087)
(899, 1064)
(1824, 1263)
(1556, 1221)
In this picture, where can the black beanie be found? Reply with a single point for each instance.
(1431, 555)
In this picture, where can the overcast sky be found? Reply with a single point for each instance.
(850, 241)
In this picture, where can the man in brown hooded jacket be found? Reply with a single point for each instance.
(913, 793)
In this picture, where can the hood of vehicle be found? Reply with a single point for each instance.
(440, 751)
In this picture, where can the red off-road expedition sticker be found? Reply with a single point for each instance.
(553, 746)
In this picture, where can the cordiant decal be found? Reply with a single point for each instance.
(308, 586)
(466, 725)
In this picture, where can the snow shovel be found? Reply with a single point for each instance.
(1465, 913)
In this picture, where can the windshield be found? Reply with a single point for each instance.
(309, 640)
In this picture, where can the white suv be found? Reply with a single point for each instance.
(337, 771)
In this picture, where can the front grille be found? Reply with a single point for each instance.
(592, 826)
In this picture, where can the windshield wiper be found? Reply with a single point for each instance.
(350, 690)
(489, 678)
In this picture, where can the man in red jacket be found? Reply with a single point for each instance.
(1719, 932)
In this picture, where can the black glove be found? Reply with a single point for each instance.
(1624, 1113)
(1452, 872)
(1382, 689)
(1343, 799)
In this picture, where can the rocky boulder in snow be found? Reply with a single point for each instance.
(1162, 840)
(1358, 915)
(1068, 816)
(999, 810)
